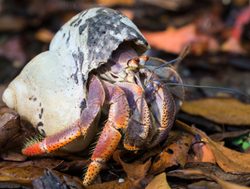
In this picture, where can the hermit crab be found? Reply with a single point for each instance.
(95, 68)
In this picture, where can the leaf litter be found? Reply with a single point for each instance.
(217, 42)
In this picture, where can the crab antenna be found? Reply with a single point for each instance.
(229, 90)
(176, 61)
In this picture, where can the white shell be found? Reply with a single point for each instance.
(50, 90)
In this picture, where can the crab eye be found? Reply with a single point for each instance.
(133, 63)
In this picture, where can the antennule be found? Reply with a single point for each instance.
(176, 61)
(229, 90)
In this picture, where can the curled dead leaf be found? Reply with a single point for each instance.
(174, 154)
(135, 171)
(27, 171)
(174, 40)
(55, 180)
(229, 160)
(220, 110)
(203, 152)
(115, 2)
(112, 185)
(159, 182)
(9, 126)
(224, 184)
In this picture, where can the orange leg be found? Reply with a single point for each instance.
(110, 136)
(80, 127)
(139, 125)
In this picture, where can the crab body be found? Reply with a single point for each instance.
(94, 63)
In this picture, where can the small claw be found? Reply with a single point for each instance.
(140, 121)
(34, 149)
(53, 142)
(162, 106)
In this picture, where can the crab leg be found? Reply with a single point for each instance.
(139, 125)
(96, 97)
(110, 135)
(162, 107)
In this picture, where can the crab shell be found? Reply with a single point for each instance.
(50, 92)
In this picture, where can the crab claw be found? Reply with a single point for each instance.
(162, 106)
(140, 120)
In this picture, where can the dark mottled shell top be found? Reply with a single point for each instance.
(92, 35)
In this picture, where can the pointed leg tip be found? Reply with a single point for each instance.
(93, 169)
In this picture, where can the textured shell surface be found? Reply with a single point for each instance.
(92, 35)
(50, 91)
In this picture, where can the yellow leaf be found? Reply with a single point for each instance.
(159, 182)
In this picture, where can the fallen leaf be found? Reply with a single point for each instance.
(222, 183)
(44, 35)
(27, 171)
(170, 5)
(9, 126)
(229, 160)
(220, 110)
(204, 184)
(12, 23)
(174, 40)
(115, 2)
(135, 171)
(13, 156)
(159, 182)
(230, 134)
(203, 152)
(12, 48)
(228, 185)
(112, 185)
(174, 154)
(20, 174)
(55, 180)
(215, 170)
(232, 45)
(2, 88)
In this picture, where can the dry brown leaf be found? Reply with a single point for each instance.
(115, 2)
(20, 174)
(203, 153)
(220, 110)
(135, 171)
(44, 35)
(228, 185)
(12, 23)
(112, 185)
(2, 88)
(14, 51)
(228, 160)
(224, 184)
(174, 40)
(159, 182)
(27, 171)
(9, 126)
(53, 179)
(174, 154)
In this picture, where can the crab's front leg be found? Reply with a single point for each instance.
(163, 108)
(140, 126)
(110, 135)
(83, 126)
